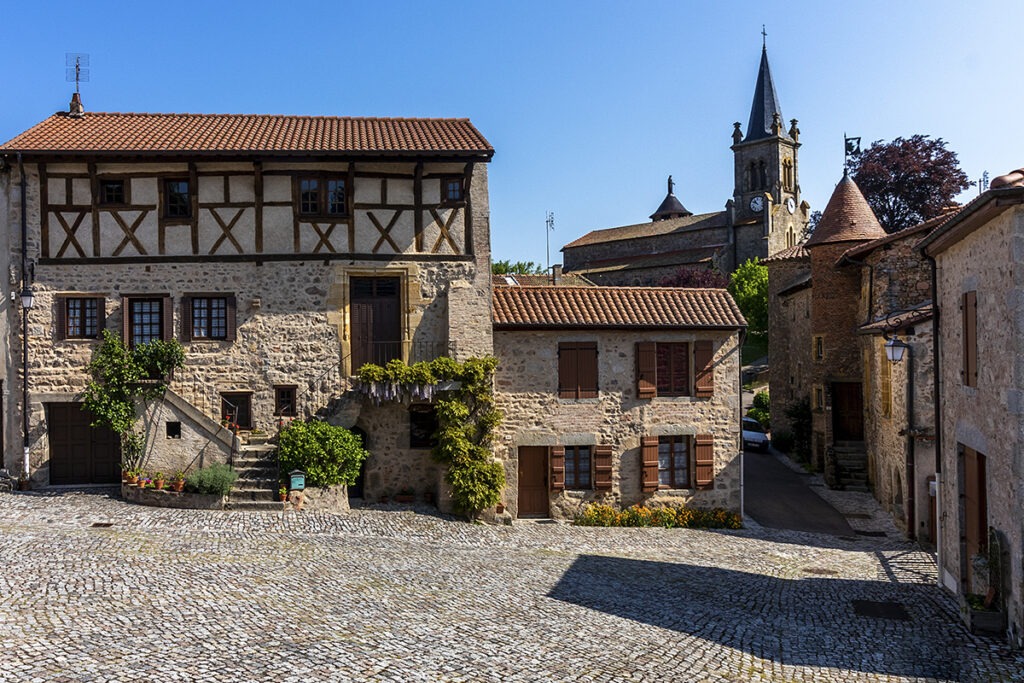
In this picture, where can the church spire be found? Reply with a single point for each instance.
(766, 102)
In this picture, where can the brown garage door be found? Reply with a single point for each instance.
(80, 454)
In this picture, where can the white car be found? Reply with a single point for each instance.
(754, 436)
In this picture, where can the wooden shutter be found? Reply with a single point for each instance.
(703, 360)
(646, 370)
(704, 461)
(167, 324)
(602, 467)
(970, 342)
(126, 307)
(101, 315)
(556, 458)
(61, 319)
(649, 463)
(586, 369)
(568, 382)
(231, 316)
(186, 319)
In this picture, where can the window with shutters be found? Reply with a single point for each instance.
(674, 462)
(673, 369)
(80, 317)
(577, 467)
(208, 317)
(146, 318)
(577, 370)
(664, 369)
(969, 312)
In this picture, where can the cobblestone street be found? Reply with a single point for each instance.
(179, 595)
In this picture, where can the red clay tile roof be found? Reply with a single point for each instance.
(244, 133)
(846, 218)
(669, 225)
(1011, 179)
(615, 307)
(790, 253)
(918, 230)
(517, 279)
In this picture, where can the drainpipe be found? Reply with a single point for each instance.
(739, 394)
(911, 446)
(24, 322)
(937, 408)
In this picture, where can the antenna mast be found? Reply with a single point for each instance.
(76, 68)
(550, 223)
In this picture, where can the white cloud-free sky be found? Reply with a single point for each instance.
(589, 105)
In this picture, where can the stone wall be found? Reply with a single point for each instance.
(526, 386)
(789, 338)
(902, 278)
(986, 418)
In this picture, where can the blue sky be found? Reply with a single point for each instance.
(590, 105)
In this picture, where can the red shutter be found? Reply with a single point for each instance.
(970, 331)
(646, 370)
(568, 381)
(649, 463)
(167, 326)
(602, 467)
(703, 359)
(704, 460)
(101, 315)
(61, 319)
(586, 369)
(556, 456)
(186, 319)
(126, 307)
(231, 315)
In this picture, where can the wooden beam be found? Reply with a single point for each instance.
(417, 192)
(468, 247)
(193, 182)
(350, 197)
(257, 169)
(94, 188)
(44, 211)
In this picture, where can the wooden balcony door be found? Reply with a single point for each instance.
(376, 320)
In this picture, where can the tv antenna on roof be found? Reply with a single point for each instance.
(77, 67)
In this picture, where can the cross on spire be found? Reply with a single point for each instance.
(764, 38)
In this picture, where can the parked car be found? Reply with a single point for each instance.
(754, 436)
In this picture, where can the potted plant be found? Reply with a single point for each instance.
(178, 483)
(282, 493)
(144, 481)
(132, 477)
(158, 481)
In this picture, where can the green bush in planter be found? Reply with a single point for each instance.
(328, 455)
(215, 479)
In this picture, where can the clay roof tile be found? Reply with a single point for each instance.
(847, 217)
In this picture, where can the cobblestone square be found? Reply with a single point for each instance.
(389, 595)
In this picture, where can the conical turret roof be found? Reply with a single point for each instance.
(766, 104)
(847, 218)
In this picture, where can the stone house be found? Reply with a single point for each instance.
(283, 251)
(764, 215)
(617, 394)
(789, 325)
(979, 332)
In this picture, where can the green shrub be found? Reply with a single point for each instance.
(799, 414)
(216, 479)
(328, 455)
(667, 516)
(760, 415)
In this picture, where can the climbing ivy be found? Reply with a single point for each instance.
(122, 379)
(466, 419)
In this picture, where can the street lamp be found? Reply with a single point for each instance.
(28, 298)
(894, 349)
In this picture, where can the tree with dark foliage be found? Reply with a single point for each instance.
(696, 278)
(909, 180)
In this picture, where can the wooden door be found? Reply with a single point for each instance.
(847, 411)
(533, 481)
(80, 454)
(975, 508)
(376, 320)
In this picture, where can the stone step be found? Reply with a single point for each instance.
(252, 494)
(256, 485)
(254, 461)
(257, 471)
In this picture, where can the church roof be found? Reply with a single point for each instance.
(649, 229)
(671, 207)
(847, 218)
(680, 258)
(765, 105)
(614, 307)
(793, 253)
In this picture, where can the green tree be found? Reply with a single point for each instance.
(328, 455)
(507, 267)
(749, 287)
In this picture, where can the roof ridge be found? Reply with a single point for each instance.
(157, 114)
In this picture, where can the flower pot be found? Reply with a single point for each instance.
(24, 485)
(178, 485)
(142, 483)
(131, 480)
(159, 484)
(499, 508)
(124, 475)
(283, 497)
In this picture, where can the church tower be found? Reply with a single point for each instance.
(767, 184)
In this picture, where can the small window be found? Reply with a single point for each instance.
(177, 199)
(112, 192)
(452, 190)
(969, 315)
(577, 467)
(209, 317)
(336, 197)
(885, 384)
(819, 348)
(173, 430)
(82, 317)
(422, 426)
(819, 398)
(673, 462)
(236, 409)
(322, 196)
(577, 370)
(284, 400)
(309, 195)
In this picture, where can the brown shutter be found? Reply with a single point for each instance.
(186, 319)
(970, 331)
(568, 378)
(646, 373)
(126, 305)
(231, 315)
(649, 463)
(61, 319)
(556, 456)
(167, 311)
(586, 369)
(703, 360)
(602, 467)
(704, 461)
(101, 314)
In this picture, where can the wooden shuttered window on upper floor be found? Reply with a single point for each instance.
(704, 461)
(146, 317)
(673, 369)
(969, 311)
(603, 467)
(649, 463)
(646, 370)
(556, 460)
(703, 361)
(577, 370)
(663, 369)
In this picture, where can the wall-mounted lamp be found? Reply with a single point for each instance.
(28, 298)
(894, 349)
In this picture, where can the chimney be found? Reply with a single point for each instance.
(76, 110)
(556, 274)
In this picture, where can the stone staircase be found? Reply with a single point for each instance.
(851, 466)
(258, 480)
